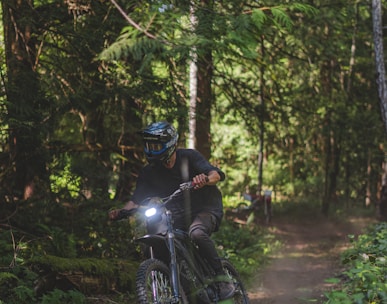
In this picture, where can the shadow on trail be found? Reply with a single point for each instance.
(310, 254)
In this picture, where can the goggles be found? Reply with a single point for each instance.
(155, 148)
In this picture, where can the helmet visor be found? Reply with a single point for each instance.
(154, 148)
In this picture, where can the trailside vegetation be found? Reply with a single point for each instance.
(286, 100)
(364, 278)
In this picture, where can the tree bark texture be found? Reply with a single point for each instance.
(382, 88)
(204, 79)
(379, 57)
(24, 100)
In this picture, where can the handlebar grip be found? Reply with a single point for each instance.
(192, 184)
(124, 213)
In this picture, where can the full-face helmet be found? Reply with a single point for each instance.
(160, 141)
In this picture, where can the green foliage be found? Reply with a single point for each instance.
(130, 45)
(59, 264)
(8, 282)
(97, 250)
(60, 242)
(6, 248)
(247, 247)
(287, 66)
(59, 296)
(281, 17)
(63, 181)
(365, 277)
(23, 294)
(259, 18)
(16, 286)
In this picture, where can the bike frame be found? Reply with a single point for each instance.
(172, 243)
(189, 273)
(168, 241)
(173, 264)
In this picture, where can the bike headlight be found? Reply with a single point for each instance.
(150, 212)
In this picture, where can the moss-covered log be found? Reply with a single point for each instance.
(88, 275)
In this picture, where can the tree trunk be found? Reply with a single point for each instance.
(327, 162)
(261, 120)
(193, 87)
(382, 89)
(203, 106)
(379, 57)
(95, 176)
(25, 103)
(204, 79)
(130, 165)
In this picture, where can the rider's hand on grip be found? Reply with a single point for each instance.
(200, 181)
(119, 214)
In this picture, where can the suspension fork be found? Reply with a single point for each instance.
(173, 264)
(154, 281)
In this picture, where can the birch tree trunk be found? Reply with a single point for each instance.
(193, 71)
(382, 91)
(379, 57)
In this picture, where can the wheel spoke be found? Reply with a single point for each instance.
(240, 295)
(159, 287)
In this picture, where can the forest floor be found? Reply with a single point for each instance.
(310, 255)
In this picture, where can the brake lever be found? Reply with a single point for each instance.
(187, 186)
(190, 185)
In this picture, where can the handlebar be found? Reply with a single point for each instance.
(124, 213)
(182, 187)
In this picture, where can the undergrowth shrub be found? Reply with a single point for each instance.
(63, 253)
(16, 286)
(62, 297)
(246, 246)
(366, 263)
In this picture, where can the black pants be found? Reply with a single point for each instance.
(203, 225)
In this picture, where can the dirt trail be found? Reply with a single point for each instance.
(310, 255)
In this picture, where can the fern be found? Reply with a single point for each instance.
(281, 15)
(16, 286)
(23, 294)
(59, 296)
(61, 243)
(304, 8)
(130, 44)
(259, 18)
(6, 276)
(281, 18)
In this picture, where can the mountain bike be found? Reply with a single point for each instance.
(174, 271)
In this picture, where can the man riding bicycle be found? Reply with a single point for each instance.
(167, 168)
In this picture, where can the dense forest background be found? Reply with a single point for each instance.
(279, 95)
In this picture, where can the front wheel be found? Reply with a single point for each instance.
(240, 295)
(153, 284)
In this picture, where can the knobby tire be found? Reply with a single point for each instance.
(240, 295)
(153, 283)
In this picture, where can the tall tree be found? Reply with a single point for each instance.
(382, 90)
(379, 57)
(193, 70)
(204, 77)
(26, 103)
